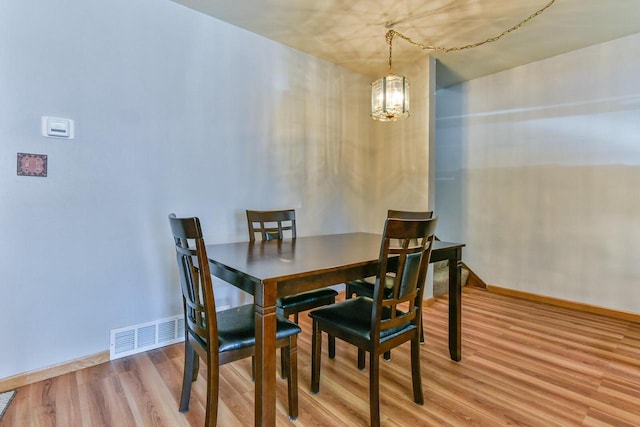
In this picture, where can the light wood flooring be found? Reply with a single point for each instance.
(523, 363)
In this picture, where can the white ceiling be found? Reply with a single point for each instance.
(351, 33)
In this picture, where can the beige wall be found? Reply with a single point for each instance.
(538, 170)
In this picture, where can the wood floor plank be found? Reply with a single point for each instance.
(67, 400)
(523, 363)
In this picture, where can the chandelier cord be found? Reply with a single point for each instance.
(392, 33)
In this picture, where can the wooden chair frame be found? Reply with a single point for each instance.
(395, 318)
(201, 323)
(365, 287)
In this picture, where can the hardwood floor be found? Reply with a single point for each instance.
(523, 363)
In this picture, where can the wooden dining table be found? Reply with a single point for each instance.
(269, 270)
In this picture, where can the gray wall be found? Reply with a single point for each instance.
(175, 112)
(538, 171)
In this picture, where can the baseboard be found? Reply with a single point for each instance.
(11, 383)
(594, 309)
(428, 301)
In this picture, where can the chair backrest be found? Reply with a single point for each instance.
(271, 225)
(195, 280)
(405, 252)
(409, 214)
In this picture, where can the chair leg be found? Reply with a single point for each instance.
(196, 367)
(332, 340)
(421, 329)
(292, 376)
(416, 376)
(284, 363)
(374, 390)
(348, 293)
(316, 350)
(188, 376)
(361, 359)
(361, 356)
(283, 354)
(213, 383)
(332, 347)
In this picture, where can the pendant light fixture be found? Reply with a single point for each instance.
(390, 94)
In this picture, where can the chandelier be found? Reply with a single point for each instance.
(390, 94)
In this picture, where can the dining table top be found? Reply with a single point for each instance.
(289, 258)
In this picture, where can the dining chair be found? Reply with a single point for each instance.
(273, 225)
(392, 317)
(364, 287)
(219, 337)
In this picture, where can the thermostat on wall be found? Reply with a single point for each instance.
(56, 127)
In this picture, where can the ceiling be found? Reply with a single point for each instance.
(351, 33)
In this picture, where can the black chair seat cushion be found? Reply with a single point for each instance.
(354, 317)
(308, 300)
(237, 328)
(364, 287)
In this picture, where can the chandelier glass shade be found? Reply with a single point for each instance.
(390, 98)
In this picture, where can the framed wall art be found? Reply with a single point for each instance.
(32, 164)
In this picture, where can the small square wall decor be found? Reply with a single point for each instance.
(32, 164)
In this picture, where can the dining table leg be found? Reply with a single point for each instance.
(455, 305)
(265, 386)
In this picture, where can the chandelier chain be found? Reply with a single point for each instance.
(392, 33)
(389, 37)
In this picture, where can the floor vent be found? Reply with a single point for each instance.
(146, 336)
